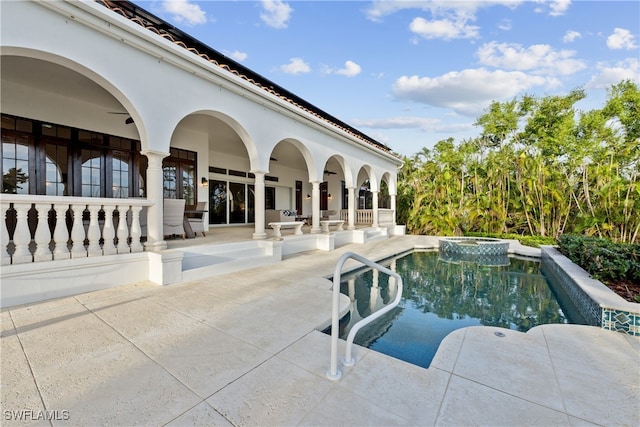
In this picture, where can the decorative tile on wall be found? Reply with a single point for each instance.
(621, 321)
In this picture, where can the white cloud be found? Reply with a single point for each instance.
(295, 66)
(448, 19)
(405, 122)
(556, 7)
(505, 25)
(537, 58)
(378, 9)
(425, 124)
(468, 91)
(621, 39)
(559, 7)
(608, 75)
(276, 13)
(183, 11)
(237, 55)
(443, 29)
(351, 69)
(571, 36)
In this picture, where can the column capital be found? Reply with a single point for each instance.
(259, 172)
(154, 158)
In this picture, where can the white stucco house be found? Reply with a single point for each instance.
(108, 110)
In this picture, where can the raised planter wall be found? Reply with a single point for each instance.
(599, 305)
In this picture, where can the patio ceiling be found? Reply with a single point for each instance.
(50, 77)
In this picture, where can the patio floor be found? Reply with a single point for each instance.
(243, 349)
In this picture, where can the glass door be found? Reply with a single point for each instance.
(217, 202)
(237, 203)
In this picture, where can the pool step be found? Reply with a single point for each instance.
(212, 260)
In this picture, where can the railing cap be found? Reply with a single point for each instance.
(72, 200)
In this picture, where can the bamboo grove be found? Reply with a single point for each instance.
(539, 167)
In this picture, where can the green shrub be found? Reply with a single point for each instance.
(534, 241)
(601, 258)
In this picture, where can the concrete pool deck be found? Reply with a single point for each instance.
(243, 349)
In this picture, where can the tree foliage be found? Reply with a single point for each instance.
(539, 167)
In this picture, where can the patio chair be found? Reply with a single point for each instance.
(196, 218)
(173, 217)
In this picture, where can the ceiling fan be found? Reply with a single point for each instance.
(128, 120)
(328, 172)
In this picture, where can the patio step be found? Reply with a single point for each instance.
(212, 260)
(376, 234)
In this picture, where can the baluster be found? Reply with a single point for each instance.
(136, 232)
(77, 232)
(42, 236)
(60, 233)
(93, 234)
(22, 236)
(5, 258)
(108, 232)
(123, 230)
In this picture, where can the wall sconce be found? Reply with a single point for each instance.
(329, 196)
(308, 196)
(204, 181)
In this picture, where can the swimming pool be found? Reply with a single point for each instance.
(442, 294)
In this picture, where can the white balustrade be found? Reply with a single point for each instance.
(93, 233)
(42, 235)
(122, 233)
(108, 232)
(136, 246)
(364, 216)
(35, 228)
(5, 258)
(77, 232)
(22, 235)
(60, 233)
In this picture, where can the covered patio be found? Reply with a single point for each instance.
(91, 151)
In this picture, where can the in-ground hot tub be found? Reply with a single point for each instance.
(482, 246)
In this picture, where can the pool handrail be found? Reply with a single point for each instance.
(333, 373)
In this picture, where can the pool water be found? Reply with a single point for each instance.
(441, 295)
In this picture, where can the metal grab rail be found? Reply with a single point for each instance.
(333, 372)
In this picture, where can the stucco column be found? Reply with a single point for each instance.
(315, 207)
(259, 232)
(351, 208)
(155, 235)
(374, 208)
(393, 207)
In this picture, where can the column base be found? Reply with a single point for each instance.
(259, 236)
(155, 246)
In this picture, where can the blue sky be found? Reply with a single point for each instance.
(411, 73)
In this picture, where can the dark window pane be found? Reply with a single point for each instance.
(15, 166)
(217, 202)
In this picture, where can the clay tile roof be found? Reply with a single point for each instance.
(162, 28)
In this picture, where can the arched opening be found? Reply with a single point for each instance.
(61, 135)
